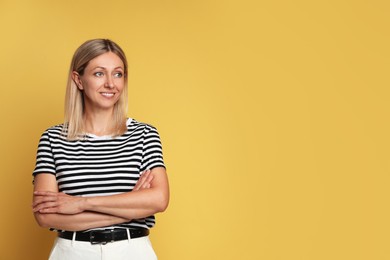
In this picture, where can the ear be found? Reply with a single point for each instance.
(77, 80)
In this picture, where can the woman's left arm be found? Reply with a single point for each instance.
(138, 203)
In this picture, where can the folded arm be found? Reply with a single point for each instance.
(138, 204)
(76, 222)
(58, 210)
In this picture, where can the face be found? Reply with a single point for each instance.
(102, 82)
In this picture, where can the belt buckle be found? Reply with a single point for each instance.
(107, 237)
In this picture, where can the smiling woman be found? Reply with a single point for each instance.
(101, 82)
(86, 58)
(99, 177)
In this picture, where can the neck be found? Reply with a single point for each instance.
(99, 123)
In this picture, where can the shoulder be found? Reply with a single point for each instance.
(54, 131)
(134, 124)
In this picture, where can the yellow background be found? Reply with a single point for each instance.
(273, 117)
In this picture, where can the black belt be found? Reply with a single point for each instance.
(104, 236)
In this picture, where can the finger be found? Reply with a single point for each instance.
(150, 178)
(142, 179)
(43, 199)
(144, 176)
(47, 196)
(45, 193)
(43, 206)
(147, 183)
(138, 183)
(49, 210)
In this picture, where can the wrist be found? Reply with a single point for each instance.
(86, 204)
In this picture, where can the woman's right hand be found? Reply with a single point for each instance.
(144, 181)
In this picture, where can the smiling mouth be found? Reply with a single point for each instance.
(106, 94)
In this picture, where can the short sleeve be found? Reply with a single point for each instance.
(152, 155)
(45, 160)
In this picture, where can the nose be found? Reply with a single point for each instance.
(109, 82)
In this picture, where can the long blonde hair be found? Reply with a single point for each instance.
(74, 103)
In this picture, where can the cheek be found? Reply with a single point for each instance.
(120, 85)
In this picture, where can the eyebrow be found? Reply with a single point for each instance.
(101, 67)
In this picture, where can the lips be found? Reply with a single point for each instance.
(108, 94)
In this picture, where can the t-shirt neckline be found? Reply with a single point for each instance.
(106, 137)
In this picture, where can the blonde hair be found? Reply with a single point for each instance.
(74, 103)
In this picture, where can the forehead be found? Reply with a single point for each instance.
(106, 60)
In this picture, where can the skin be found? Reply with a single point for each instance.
(102, 84)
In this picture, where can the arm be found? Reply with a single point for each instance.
(138, 204)
(74, 222)
(141, 202)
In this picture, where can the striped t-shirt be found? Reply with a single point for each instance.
(101, 165)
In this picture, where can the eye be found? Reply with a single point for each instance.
(98, 74)
(118, 75)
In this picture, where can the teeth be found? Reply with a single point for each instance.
(108, 94)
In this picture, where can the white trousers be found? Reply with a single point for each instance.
(135, 249)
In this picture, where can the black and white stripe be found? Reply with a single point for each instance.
(99, 166)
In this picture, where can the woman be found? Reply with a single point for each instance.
(99, 177)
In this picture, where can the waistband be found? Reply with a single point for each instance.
(105, 236)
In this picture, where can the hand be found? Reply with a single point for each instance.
(57, 202)
(144, 181)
